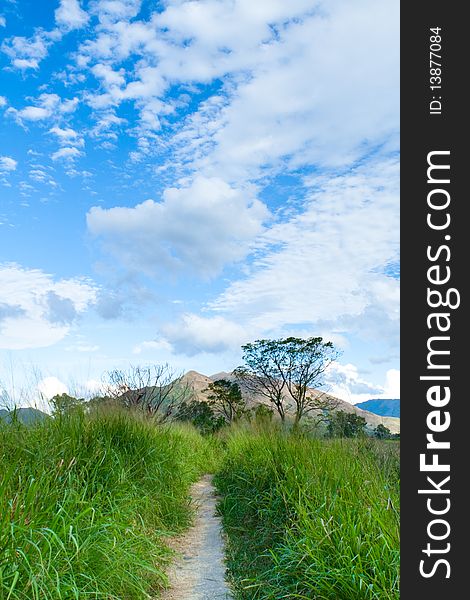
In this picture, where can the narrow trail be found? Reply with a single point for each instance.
(198, 571)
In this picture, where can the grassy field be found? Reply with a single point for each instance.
(310, 518)
(85, 503)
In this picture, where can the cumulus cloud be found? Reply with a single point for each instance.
(348, 376)
(50, 387)
(201, 227)
(7, 164)
(346, 382)
(44, 307)
(70, 15)
(3, 101)
(193, 335)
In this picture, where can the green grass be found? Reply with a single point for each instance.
(310, 518)
(86, 502)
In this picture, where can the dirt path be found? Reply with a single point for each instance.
(198, 572)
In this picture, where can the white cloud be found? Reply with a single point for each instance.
(46, 307)
(27, 53)
(3, 101)
(67, 136)
(263, 55)
(25, 63)
(46, 106)
(392, 384)
(33, 113)
(117, 10)
(264, 122)
(107, 122)
(110, 78)
(200, 228)
(50, 387)
(325, 266)
(3, 22)
(7, 164)
(68, 153)
(40, 175)
(346, 382)
(194, 334)
(70, 15)
(93, 386)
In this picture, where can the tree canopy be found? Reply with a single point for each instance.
(226, 399)
(344, 424)
(284, 370)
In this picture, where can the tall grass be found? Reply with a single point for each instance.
(85, 502)
(310, 518)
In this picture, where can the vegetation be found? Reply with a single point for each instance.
(226, 400)
(87, 498)
(283, 370)
(85, 503)
(343, 424)
(63, 404)
(382, 433)
(157, 390)
(200, 415)
(310, 518)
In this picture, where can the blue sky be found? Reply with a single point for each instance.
(178, 178)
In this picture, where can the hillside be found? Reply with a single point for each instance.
(384, 408)
(200, 382)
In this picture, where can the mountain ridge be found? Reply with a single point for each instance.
(386, 407)
(25, 415)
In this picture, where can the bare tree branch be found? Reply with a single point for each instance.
(157, 390)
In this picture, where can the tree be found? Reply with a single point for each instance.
(382, 433)
(63, 404)
(156, 389)
(201, 415)
(226, 399)
(344, 424)
(284, 370)
(261, 414)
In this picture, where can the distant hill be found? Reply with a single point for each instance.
(199, 383)
(384, 408)
(24, 415)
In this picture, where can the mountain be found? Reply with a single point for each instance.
(24, 415)
(385, 408)
(199, 383)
